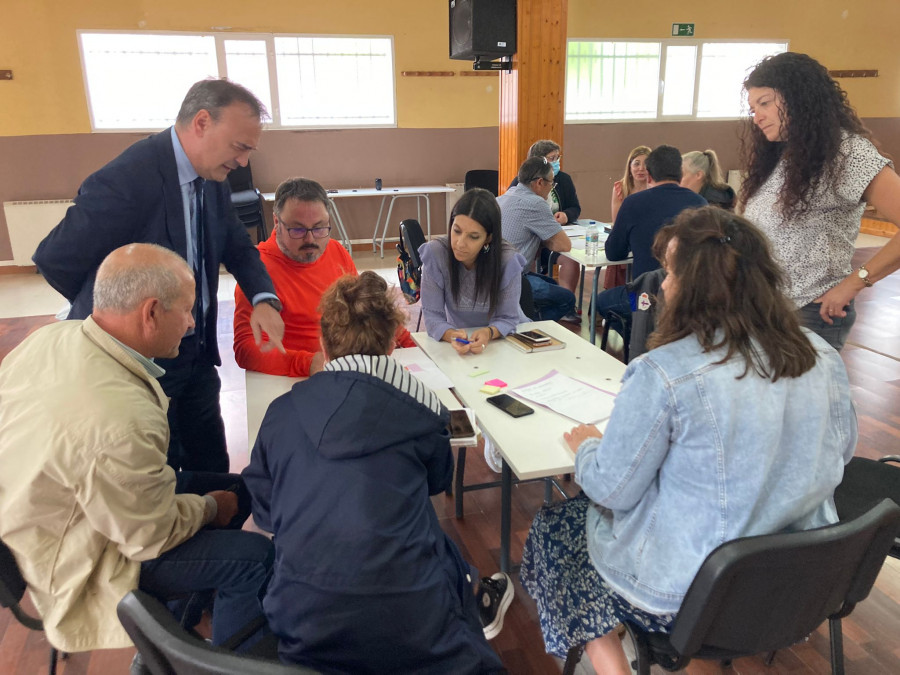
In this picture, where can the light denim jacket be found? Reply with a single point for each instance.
(693, 457)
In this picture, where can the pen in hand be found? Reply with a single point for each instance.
(460, 340)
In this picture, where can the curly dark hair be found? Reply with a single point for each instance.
(728, 294)
(816, 111)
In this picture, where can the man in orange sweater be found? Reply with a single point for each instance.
(302, 261)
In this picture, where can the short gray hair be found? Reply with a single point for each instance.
(120, 288)
(301, 189)
(213, 95)
(543, 148)
(534, 168)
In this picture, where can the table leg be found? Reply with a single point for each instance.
(339, 222)
(387, 221)
(581, 289)
(594, 304)
(377, 223)
(427, 214)
(505, 507)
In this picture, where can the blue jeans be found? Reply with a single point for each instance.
(196, 429)
(551, 300)
(616, 299)
(234, 564)
(834, 334)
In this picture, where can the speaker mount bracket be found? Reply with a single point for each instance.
(505, 63)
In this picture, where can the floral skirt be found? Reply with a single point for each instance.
(575, 605)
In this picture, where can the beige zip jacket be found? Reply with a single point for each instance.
(85, 492)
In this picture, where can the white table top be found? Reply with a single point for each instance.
(532, 445)
(262, 389)
(386, 191)
(599, 260)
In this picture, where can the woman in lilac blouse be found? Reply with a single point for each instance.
(471, 279)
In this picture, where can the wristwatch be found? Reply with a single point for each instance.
(863, 274)
(276, 303)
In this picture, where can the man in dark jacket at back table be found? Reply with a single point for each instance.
(641, 216)
(170, 189)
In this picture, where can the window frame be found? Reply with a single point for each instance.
(664, 43)
(219, 41)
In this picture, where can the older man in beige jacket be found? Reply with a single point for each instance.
(88, 505)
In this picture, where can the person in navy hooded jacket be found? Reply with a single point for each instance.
(365, 580)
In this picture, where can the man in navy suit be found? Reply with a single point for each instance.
(170, 189)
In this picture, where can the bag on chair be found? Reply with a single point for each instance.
(410, 277)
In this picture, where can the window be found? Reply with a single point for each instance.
(658, 80)
(136, 81)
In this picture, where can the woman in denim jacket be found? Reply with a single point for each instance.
(737, 423)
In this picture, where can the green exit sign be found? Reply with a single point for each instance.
(683, 30)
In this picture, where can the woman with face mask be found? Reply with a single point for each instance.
(563, 203)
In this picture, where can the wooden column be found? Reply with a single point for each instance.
(531, 95)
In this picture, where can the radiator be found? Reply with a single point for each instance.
(29, 222)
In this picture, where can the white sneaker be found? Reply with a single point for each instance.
(491, 456)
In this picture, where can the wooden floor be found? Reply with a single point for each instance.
(872, 632)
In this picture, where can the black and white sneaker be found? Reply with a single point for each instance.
(495, 593)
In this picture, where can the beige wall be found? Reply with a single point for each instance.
(445, 125)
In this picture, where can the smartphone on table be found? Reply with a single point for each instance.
(460, 425)
(534, 337)
(510, 405)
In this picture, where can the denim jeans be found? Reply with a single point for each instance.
(234, 564)
(616, 299)
(196, 429)
(834, 334)
(551, 300)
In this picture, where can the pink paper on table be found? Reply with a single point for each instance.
(496, 383)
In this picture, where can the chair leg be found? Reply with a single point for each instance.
(419, 322)
(54, 655)
(572, 659)
(548, 491)
(837, 646)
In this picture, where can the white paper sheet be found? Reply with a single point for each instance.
(572, 398)
(424, 369)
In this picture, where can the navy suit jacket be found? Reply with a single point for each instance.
(136, 198)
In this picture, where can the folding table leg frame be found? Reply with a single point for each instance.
(505, 483)
(339, 222)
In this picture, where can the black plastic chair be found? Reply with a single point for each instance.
(248, 201)
(622, 325)
(413, 237)
(865, 483)
(761, 594)
(167, 648)
(488, 179)
(12, 589)
(526, 300)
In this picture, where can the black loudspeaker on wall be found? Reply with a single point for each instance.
(482, 28)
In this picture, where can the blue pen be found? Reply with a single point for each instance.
(465, 342)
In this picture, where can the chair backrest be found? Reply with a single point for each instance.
(241, 178)
(489, 179)
(166, 647)
(12, 588)
(761, 594)
(526, 300)
(413, 238)
(12, 585)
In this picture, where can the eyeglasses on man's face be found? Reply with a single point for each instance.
(301, 232)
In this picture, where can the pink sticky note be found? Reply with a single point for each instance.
(496, 383)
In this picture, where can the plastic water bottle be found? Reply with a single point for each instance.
(592, 239)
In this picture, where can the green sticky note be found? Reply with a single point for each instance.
(477, 370)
